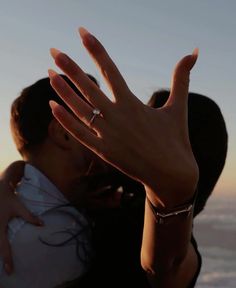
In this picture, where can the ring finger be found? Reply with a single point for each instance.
(89, 115)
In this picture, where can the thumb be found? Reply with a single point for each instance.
(180, 81)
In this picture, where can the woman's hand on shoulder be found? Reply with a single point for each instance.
(10, 207)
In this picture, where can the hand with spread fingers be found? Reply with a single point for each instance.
(142, 233)
(150, 145)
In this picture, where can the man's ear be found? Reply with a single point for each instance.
(58, 135)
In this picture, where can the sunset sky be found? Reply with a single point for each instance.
(144, 38)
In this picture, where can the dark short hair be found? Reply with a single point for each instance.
(208, 137)
(31, 113)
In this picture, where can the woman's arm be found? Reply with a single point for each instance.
(149, 145)
(11, 207)
(167, 254)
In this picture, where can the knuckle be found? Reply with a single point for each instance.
(89, 93)
(26, 215)
(80, 134)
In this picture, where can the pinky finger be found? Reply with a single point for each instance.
(76, 128)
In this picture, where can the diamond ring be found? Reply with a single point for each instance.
(96, 112)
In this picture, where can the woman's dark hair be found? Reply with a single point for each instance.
(119, 232)
(208, 137)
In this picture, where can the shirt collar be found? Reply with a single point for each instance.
(38, 193)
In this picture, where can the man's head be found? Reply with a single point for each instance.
(208, 137)
(34, 129)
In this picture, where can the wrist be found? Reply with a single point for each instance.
(173, 188)
(169, 207)
(168, 216)
(168, 197)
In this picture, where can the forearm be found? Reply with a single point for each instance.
(182, 275)
(12, 174)
(167, 254)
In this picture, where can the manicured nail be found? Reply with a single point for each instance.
(53, 104)
(8, 268)
(83, 32)
(59, 57)
(54, 52)
(57, 110)
(86, 36)
(52, 73)
(195, 52)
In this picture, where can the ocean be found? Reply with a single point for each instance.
(215, 231)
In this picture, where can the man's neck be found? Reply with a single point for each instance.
(62, 175)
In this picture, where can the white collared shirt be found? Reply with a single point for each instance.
(37, 264)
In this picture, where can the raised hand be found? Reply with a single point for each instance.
(150, 145)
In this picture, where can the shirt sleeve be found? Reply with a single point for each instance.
(39, 258)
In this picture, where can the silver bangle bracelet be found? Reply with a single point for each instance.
(162, 217)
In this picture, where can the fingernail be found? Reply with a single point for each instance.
(54, 52)
(195, 52)
(53, 104)
(59, 57)
(52, 73)
(8, 268)
(86, 36)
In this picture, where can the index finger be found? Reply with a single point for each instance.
(108, 69)
(81, 80)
